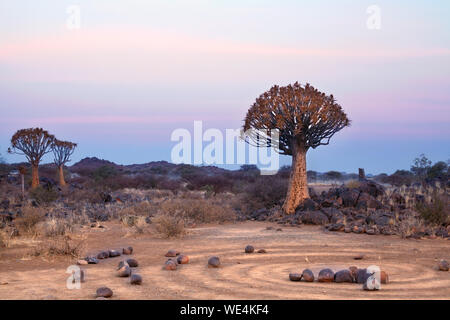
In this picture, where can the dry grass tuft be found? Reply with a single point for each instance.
(27, 222)
(60, 246)
(168, 226)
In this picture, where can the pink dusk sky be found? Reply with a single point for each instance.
(136, 70)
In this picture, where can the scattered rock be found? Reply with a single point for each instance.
(359, 257)
(114, 253)
(361, 276)
(295, 276)
(127, 251)
(104, 292)
(92, 260)
(326, 275)
(136, 279)
(443, 265)
(261, 251)
(279, 229)
(214, 262)
(132, 263)
(182, 259)
(249, 249)
(307, 275)
(124, 271)
(314, 217)
(170, 265)
(82, 262)
(172, 253)
(384, 277)
(103, 255)
(343, 276)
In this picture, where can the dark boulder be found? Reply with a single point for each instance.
(104, 292)
(308, 205)
(295, 276)
(349, 197)
(326, 275)
(314, 217)
(307, 275)
(136, 279)
(214, 262)
(343, 276)
(334, 215)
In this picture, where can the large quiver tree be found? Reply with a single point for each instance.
(305, 118)
(33, 143)
(62, 151)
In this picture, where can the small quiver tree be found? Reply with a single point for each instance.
(33, 143)
(62, 151)
(305, 118)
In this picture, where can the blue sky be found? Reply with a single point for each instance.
(137, 70)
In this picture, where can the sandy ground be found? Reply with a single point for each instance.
(410, 264)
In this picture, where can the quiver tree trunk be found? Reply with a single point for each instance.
(298, 183)
(34, 176)
(62, 182)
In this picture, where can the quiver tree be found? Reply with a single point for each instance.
(305, 118)
(62, 150)
(33, 143)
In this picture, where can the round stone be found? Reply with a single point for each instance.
(295, 276)
(136, 279)
(343, 276)
(326, 275)
(92, 260)
(104, 292)
(170, 265)
(307, 275)
(128, 250)
(214, 262)
(172, 253)
(443, 265)
(132, 263)
(103, 255)
(249, 249)
(114, 253)
(384, 277)
(182, 259)
(361, 276)
(123, 272)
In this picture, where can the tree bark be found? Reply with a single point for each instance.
(298, 183)
(62, 182)
(34, 176)
(22, 177)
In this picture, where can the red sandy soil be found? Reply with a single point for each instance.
(409, 263)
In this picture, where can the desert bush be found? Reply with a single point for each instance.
(409, 225)
(353, 184)
(60, 246)
(54, 227)
(27, 222)
(266, 192)
(43, 196)
(168, 225)
(436, 212)
(197, 210)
